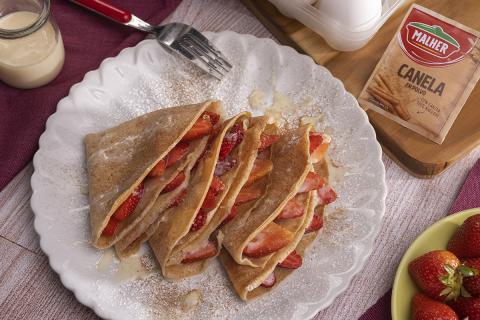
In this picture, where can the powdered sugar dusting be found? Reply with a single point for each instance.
(266, 79)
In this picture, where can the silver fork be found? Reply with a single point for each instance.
(177, 37)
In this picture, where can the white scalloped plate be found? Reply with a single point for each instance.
(145, 78)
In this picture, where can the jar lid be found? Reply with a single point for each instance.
(22, 32)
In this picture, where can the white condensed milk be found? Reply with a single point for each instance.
(33, 60)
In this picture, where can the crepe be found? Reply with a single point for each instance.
(247, 280)
(118, 160)
(174, 239)
(291, 163)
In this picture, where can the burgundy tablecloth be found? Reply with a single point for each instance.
(468, 197)
(88, 40)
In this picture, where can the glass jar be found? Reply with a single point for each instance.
(31, 46)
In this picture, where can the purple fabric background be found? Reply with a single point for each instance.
(467, 198)
(89, 39)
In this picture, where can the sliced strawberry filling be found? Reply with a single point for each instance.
(127, 207)
(179, 178)
(177, 153)
(312, 182)
(224, 166)
(124, 210)
(326, 195)
(292, 261)
(247, 194)
(200, 220)
(315, 224)
(110, 228)
(261, 167)
(205, 252)
(211, 116)
(266, 140)
(178, 199)
(209, 202)
(159, 168)
(171, 158)
(202, 127)
(216, 187)
(293, 209)
(269, 240)
(269, 281)
(232, 138)
(233, 214)
(318, 146)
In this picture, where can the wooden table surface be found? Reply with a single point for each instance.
(29, 289)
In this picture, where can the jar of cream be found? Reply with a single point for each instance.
(31, 46)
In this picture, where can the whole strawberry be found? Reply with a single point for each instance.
(424, 308)
(465, 243)
(472, 284)
(467, 308)
(435, 273)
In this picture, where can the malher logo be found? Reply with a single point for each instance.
(432, 42)
(431, 39)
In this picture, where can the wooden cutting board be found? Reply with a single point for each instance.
(419, 156)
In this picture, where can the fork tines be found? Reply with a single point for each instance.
(204, 54)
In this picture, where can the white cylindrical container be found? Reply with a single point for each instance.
(346, 25)
(31, 46)
(353, 14)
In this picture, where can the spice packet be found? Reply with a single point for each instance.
(426, 74)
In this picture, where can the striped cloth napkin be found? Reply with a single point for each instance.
(88, 39)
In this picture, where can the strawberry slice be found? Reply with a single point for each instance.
(208, 251)
(217, 185)
(269, 240)
(158, 169)
(326, 194)
(315, 224)
(215, 188)
(261, 167)
(211, 116)
(129, 205)
(312, 182)
(233, 213)
(178, 199)
(224, 166)
(209, 202)
(292, 209)
(110, 228)
(292, 261)
(269, 281)
(233, 137)
(316, 140)
(266, 140)
(180, 150)
(199, 221)
(318, 146)
(174, 183)
(200, 129)
(247, 194)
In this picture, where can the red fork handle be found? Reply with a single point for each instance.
(106, 9)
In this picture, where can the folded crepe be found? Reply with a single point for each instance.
(183, 242)
(290, 157)
(120, 159)
(251, 282)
